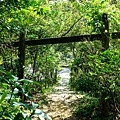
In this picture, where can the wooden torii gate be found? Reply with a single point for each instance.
(104, 37)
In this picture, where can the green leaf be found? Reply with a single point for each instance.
(1, 109)
(20, 104)
(41, 114)
(25, 81)
(25, 115)
(3, 97)
(34, 106)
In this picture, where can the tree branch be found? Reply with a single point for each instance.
(71, 27)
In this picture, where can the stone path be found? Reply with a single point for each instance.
(62, 100)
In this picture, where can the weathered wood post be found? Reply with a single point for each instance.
(105, 45)
(21, 59)
(105, 32)
(21, 55)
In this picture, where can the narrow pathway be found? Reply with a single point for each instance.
(62, 100)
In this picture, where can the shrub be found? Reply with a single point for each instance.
(11, 107)
(88, 107)
(101, 79)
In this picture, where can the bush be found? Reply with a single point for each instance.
(88, 107)
(11, 107)
(98, 75)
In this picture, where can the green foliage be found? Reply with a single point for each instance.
(88, 108)
(95, 9)
(43, 19)
(42, 66)
(106, 69)
(80, 68)
(98, 75)
(11, 107)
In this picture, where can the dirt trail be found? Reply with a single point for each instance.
(62, 100)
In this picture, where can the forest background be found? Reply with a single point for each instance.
(93, 72)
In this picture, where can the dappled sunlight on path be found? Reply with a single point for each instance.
(62, 101)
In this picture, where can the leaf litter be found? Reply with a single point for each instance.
(61, 101)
